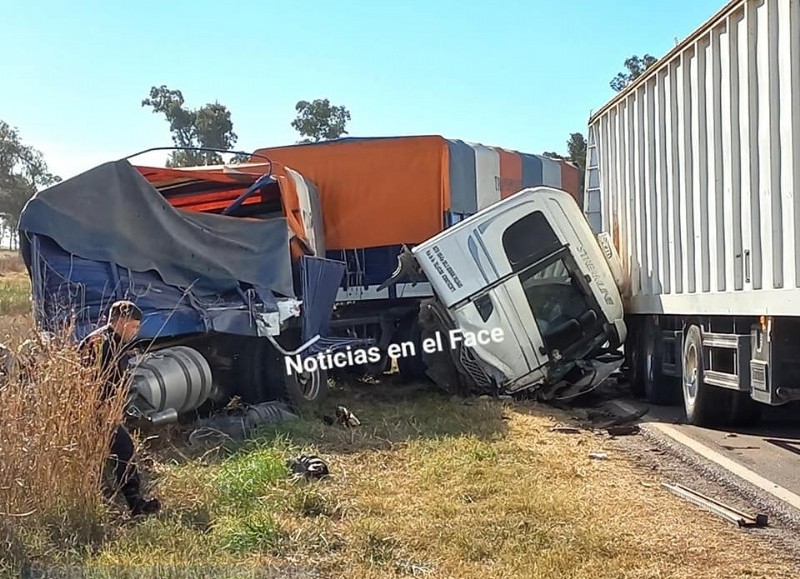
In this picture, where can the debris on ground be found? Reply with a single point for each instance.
(346, 418)
(566, 429)
(308, 467)
(598, 455)
(717, 507)
(240, 425)
(623, 430)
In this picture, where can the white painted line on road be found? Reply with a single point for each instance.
(734, 467)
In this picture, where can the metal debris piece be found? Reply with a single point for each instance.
(717, 507)
(624, 419)
(242, 424)
(598, 455)
(624, 430)
(308, 467)
(346, 418)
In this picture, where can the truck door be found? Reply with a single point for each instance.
(540, 298)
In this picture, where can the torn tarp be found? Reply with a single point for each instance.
(112, 214)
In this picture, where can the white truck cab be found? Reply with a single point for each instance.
(528, 275)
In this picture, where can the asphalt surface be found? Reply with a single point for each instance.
(772, 450)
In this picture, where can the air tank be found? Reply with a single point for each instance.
(176, 378)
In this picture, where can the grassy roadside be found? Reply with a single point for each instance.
(426, 486)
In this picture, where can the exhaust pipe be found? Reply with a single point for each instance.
(168, 416)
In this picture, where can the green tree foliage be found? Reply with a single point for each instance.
(635, 65)
(320, 121)
(576, 146)
(23, 172)
(209, 126)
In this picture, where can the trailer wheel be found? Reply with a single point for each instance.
(412, 368)
(659, 388)
(743, 410)
(633, 359)
(308, 390)
(256, 381)
(263, 378)
(701, 401)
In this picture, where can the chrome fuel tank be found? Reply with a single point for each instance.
(177, 378)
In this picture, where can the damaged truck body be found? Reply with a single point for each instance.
(242, 269)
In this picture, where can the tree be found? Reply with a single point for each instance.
(23, 172)
(636, 65)
(209, 126)
(319, 121)
(576, 147)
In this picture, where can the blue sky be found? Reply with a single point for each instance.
(521, 76)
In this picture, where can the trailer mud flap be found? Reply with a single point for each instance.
(321, 278)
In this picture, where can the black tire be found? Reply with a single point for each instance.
(256, 381)
(633, 359)
(659, 389)
(701, 402)
(306, 391)
(707, 405)
(742, 409)
(412, 368)
(263, 377)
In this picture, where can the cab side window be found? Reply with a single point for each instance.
(528, 240)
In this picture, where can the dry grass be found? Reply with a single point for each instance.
(15, 286)
(11, 262)
(55, 433)
(428, 486)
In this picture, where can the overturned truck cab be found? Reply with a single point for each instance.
(526, 299)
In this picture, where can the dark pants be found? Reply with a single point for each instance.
(126, 474)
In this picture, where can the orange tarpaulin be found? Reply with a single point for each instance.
(212, 190)
(375, 192)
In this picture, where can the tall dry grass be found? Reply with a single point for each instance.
(11, 262)
(55, 435)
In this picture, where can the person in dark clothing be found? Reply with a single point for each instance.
(107, 347)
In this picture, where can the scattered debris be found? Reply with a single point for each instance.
(308, 467)
(731, 435)
(717, 507)
(566, 429)
(346, 418)
(623, 420)
(624, 430)
(242, 424)
(598, 455)
(729, 447)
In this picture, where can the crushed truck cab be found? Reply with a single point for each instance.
(529, 276)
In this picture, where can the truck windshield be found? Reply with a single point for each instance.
(562, 310)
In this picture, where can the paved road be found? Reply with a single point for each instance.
(772, 450)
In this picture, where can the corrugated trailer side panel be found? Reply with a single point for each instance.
(694, 170)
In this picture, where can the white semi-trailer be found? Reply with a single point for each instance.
(694, 173)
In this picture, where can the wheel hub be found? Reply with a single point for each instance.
(308, 384)
(690, 373)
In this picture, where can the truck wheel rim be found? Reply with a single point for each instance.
(648, 367)
(308, 385)
(690, 373)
